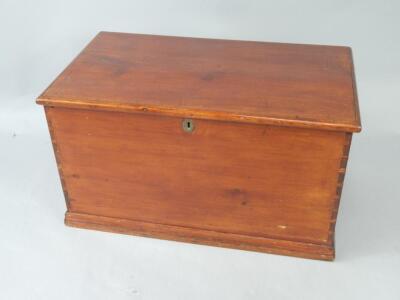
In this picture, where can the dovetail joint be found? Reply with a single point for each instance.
(339, 186)
(56, 154)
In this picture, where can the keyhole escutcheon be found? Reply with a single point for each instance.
(188, 125)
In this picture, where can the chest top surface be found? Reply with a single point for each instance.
(267, 83)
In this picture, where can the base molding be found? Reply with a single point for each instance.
(200, 236)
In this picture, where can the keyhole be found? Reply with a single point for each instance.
(188, 125)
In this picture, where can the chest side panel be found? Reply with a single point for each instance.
(257, 180)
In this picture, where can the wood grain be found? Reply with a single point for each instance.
(263, 169)
(255, 82)
(200, 236)
(245, 179)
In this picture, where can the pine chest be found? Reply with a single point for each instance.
(228, 143)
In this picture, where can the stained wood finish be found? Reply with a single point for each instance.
(255, 82)
(253, 180)
(263, 170)
(200, 236)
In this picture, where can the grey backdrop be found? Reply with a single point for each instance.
(40, 258)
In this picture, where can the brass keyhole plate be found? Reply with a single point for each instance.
(188, 125)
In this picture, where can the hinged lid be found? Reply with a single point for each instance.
(255, 82)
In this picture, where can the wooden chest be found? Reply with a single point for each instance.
(227, 143)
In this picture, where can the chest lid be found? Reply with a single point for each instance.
(255, 82)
